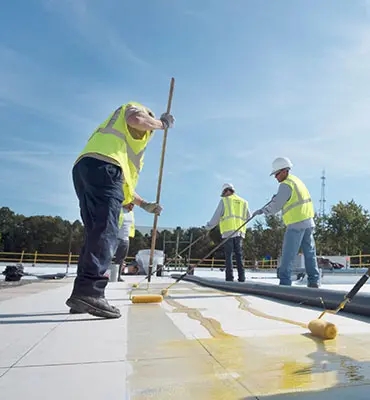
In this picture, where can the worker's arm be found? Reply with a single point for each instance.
(153, 207)
(216, 216)
(278, 201)
(137, 199)
(139, 119)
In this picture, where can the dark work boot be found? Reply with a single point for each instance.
(97, 306)
(313, 285)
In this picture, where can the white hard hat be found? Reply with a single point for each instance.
(228, 186)
(280, 163)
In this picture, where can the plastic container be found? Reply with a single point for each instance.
(112, 273)
(142, 258)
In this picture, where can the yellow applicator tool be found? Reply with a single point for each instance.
(327, 330)
(156, 298)
(149, 298)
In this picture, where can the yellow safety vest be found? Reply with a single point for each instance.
(113, 139)
(235, 214)
(132, 227)
(299, 207)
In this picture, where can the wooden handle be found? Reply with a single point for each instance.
(154, 232)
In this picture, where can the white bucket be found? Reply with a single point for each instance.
(143, 256)
(112, 273)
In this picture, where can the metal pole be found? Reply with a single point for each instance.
(189, 253)
(69, 249)
(177, 247)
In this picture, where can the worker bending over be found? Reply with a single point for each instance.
(294, 200)
(231, 213)
(127, 230)
(105, 176)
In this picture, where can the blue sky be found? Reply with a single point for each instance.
(254, 80)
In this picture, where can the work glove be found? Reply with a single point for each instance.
(257, 212)
(168, 120)
(153, 208)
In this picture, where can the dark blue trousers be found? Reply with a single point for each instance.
(234, 245)
(98, 185)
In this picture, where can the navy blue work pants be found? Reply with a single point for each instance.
(98, 185)
(234, 245)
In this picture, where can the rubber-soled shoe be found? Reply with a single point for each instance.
(313, 285)
(97, 306)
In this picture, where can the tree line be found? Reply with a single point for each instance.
(345, 230)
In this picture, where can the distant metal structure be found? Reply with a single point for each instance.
(178, 259)
(322, 198)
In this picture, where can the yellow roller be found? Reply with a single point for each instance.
(150, 298)
(323, 329)
(327, 330)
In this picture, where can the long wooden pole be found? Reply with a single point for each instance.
(154, 232)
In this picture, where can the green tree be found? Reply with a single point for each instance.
(138, 242)
(347, 228)
(322, 236)
(9, 223)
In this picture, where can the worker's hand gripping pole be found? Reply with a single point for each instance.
(154, 232)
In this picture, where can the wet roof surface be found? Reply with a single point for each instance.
(198, 343)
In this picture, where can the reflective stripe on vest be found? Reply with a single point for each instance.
(233, 220)
(299, 195)
(134, 158)
(120, 219)
(299, 207)
(112, 139)
(132, 228)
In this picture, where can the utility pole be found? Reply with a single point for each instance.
(322, 199)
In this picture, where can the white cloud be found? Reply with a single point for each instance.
(30, 85)
(333, 106)
(87, 19)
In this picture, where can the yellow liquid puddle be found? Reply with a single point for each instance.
(229, 367)
(212, 325)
